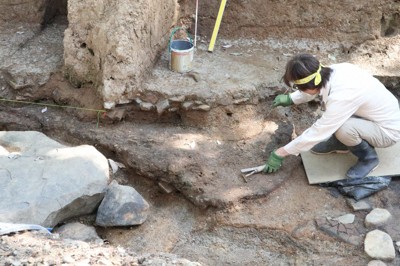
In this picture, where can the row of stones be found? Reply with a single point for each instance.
(377, 244)
(176, 103)
(172, 104)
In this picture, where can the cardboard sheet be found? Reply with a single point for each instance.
(332, 167)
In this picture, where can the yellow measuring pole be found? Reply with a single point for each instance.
(217, 24)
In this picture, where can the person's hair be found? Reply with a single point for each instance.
(303, 65)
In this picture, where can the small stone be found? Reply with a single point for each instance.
(150, 97)
(123, 101)
(138, 100)
(78, 231)
(162, 106)
(113, 165)
(109, 105)
(116, 114)
(146, 106)
(346, 219)
(178, 99)
(203, 107)
(187, 105)
(194, 75)
(377, 217)
(361, 205)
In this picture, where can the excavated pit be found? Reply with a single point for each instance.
(193, 132)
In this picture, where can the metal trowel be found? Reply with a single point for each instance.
(246, 172)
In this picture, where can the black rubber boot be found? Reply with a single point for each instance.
(332, 145)
(367, 160)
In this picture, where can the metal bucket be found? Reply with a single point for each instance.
(181, 54)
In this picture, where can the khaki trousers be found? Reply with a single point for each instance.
(356, 129)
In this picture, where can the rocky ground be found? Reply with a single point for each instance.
(32, 248)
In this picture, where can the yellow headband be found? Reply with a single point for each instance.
(316, 75)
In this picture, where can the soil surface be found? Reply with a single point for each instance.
(244, 224)
(211, 215)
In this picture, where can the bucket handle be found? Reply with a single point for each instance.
(173, 33)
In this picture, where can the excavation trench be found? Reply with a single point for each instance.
(264, 227)
(193, 132)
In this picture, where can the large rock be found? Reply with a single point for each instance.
(44, 182)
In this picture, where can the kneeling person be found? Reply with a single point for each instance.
(360, 114)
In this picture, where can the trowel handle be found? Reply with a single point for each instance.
(256, 169)
(173, 33)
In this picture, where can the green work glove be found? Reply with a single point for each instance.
(273, 163)
(282, 100)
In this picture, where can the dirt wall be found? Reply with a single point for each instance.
(112, 45)
(338, 21)
(22, 11)
(35, 12)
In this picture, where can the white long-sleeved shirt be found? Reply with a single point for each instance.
(349, 91)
